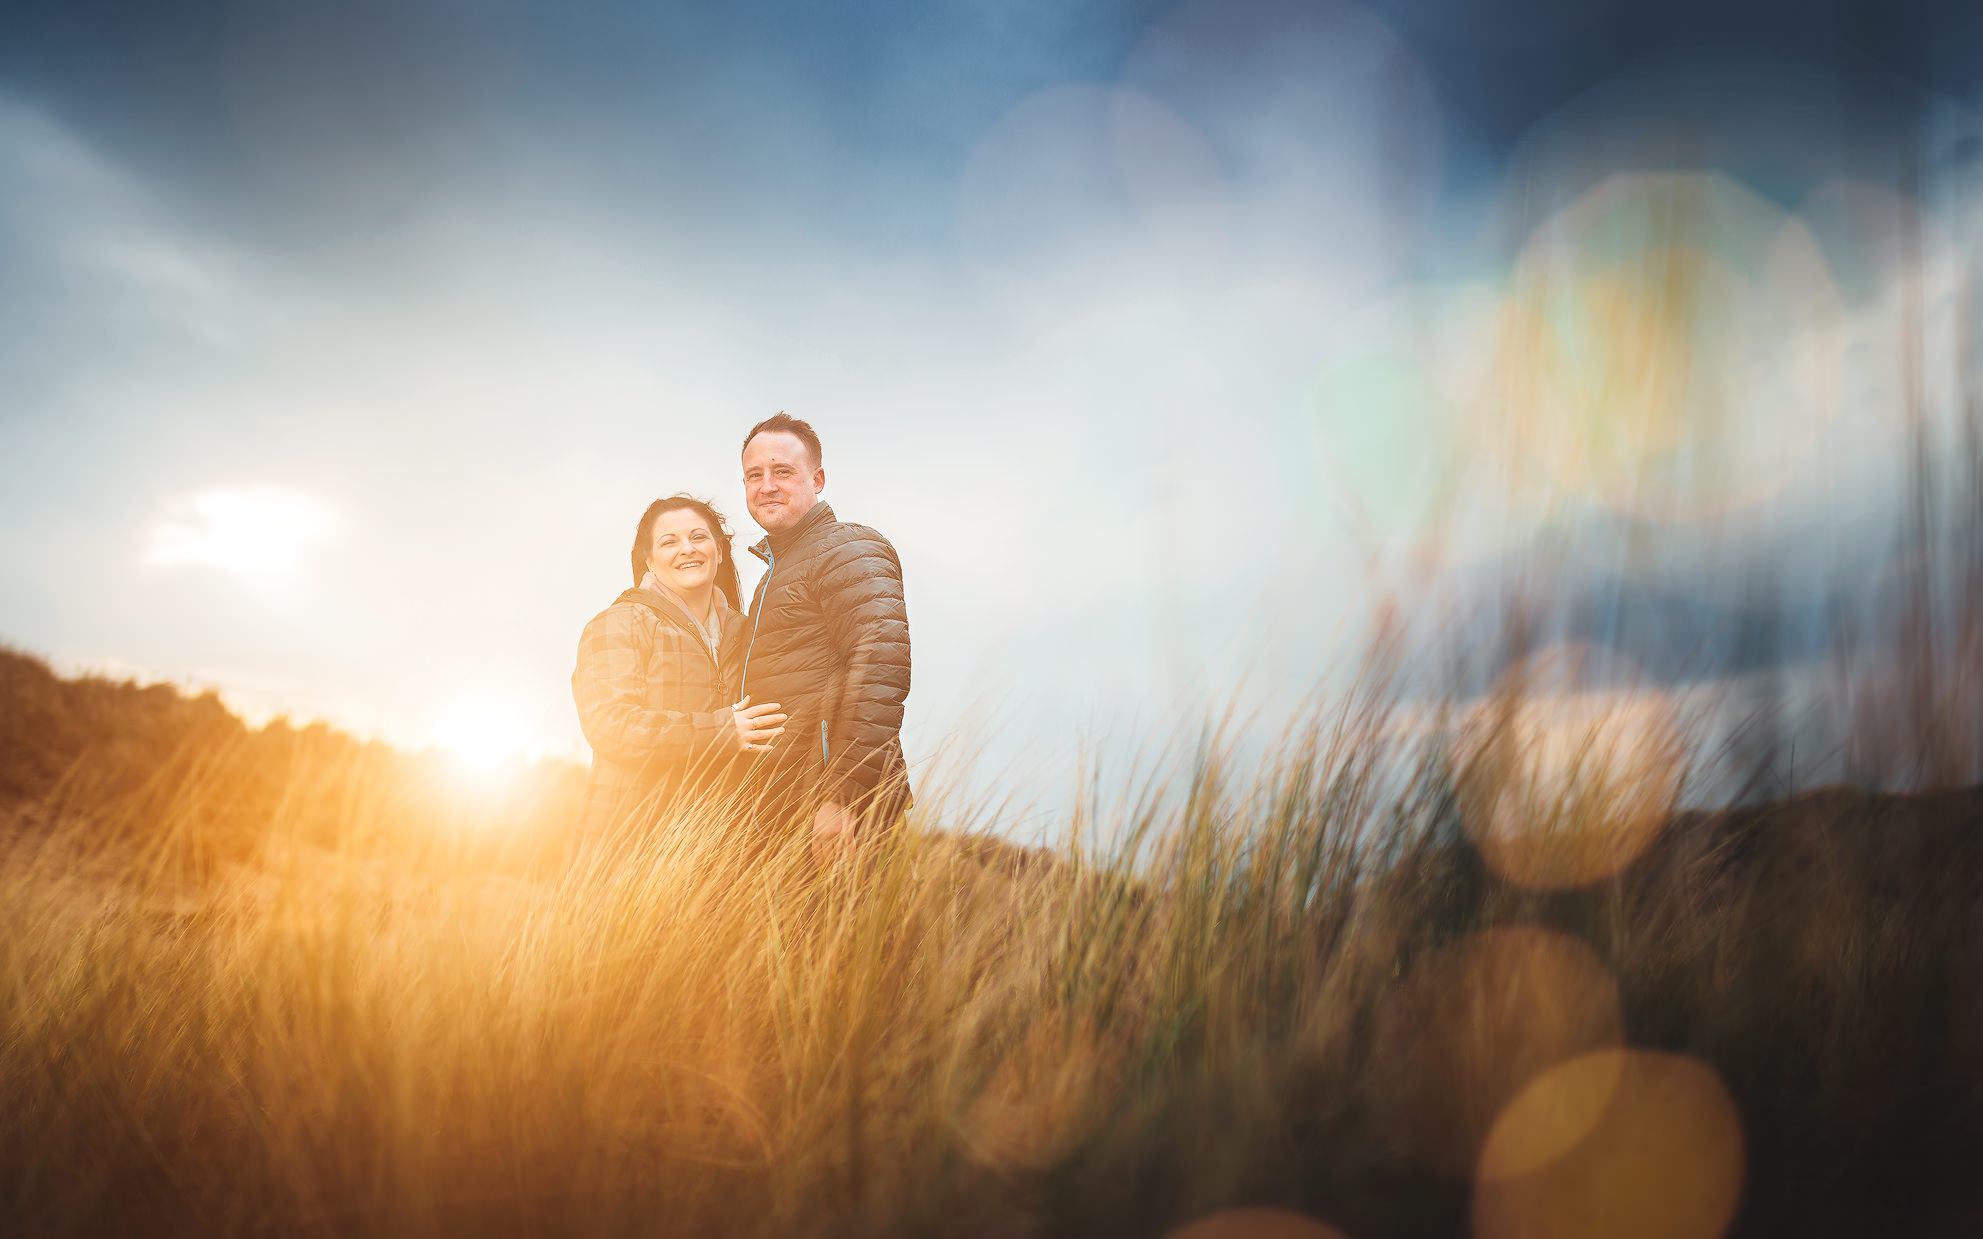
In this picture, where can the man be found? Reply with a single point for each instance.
(828, 638)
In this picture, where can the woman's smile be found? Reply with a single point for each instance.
(689, 569)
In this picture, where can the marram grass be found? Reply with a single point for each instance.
(323, 991)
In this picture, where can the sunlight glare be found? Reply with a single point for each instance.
(482, 732)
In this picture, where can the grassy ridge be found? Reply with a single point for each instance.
(278, 980)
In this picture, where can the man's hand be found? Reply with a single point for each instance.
(832, 830)
(757, 726)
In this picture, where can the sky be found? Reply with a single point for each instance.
(341, 345)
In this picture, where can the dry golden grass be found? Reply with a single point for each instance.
(281, 982)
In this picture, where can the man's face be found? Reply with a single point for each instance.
(781, 482)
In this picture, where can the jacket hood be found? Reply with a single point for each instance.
(668, 609)
(779, 543)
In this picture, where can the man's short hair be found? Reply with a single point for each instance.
(779, 423)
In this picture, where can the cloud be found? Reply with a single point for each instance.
(92, 250)
(262, 533)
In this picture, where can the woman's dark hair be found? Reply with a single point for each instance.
(643, 541)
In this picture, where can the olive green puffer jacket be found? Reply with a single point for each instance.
(829, 641)
(654, 704)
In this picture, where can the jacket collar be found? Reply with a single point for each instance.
(779, 543)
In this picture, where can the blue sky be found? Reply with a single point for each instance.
(342, 344)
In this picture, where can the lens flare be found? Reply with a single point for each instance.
(1326, 121)
(1082, 191)
(1621, 1143)
(1564, 783)
(1039, 1101)
(1256, 1223)
(1473, 1024)
(1669, 348)
(1386, 414)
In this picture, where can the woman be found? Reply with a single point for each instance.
(655, 672)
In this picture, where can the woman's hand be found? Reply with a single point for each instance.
(757, 726)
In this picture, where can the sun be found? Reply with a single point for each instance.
(483, 731)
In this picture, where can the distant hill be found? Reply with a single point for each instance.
(101, 747)
(98, 730)
(112, 734)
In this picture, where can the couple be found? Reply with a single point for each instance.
(794, 708)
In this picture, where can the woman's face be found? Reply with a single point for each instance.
(683, 553)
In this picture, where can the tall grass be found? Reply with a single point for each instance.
(280, 982)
